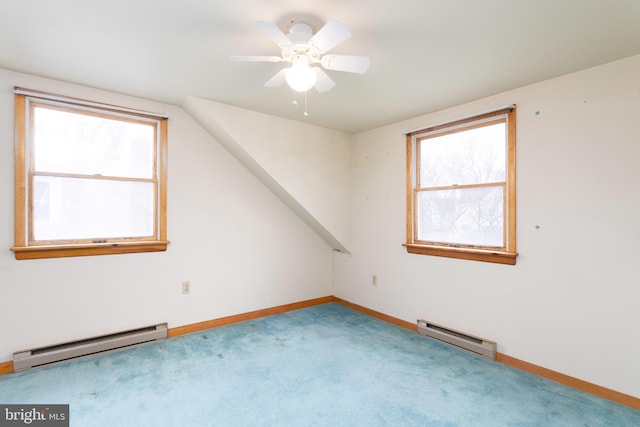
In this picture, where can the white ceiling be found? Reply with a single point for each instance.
(425, 54)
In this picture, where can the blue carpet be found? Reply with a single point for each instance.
(325, 365)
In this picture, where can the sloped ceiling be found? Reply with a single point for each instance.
(425, 54)
(311, 184)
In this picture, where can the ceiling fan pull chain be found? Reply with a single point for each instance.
(306, 114)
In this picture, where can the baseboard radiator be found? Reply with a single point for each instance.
(28, 359)
(475, 345)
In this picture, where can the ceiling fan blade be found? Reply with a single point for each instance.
(332, 34)
(277, 79)
(273, 32)
(256, 58)
(348, 63)
(324, 82)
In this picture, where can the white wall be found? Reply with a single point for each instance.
(571, 302)
(238, 244)
(309, 166)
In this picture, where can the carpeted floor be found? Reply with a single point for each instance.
(321, 366)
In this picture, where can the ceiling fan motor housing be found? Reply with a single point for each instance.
(299, 34)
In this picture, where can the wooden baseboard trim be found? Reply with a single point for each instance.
(605, 393)
(196, 327)
(390, 319)
(6, 367)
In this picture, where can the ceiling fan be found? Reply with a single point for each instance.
(307, 54)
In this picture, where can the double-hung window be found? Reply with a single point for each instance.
(90, 179)
(461, 188)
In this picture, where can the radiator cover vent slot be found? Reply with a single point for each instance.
(469, 343)
(26, 359)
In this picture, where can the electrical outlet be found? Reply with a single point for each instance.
(374, 280)
(186, 288)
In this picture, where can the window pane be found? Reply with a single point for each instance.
(73, 208)
(473, 156)
(41, 200)
(467, 216)
(85, 144)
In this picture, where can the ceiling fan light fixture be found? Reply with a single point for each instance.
(306, 51)
(300, 76)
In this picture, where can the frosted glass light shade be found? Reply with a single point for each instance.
(300, 76)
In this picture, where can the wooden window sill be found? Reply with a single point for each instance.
(73, 250)
(498, 257)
